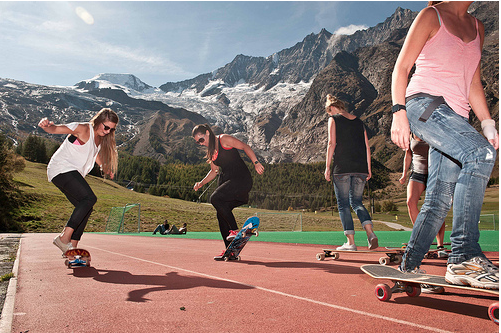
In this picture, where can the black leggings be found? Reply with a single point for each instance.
(79, 193)
(227, 196)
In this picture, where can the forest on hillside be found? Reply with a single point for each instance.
(282, 186)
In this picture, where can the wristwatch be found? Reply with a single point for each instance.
(256, 162)
(397, 107)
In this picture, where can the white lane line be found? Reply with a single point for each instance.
(363, 313)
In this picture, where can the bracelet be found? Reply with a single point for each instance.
(398, 107)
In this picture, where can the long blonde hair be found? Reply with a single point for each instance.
(334, 101)
(108, 153)
(202, 128)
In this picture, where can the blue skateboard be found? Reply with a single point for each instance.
(236, 246)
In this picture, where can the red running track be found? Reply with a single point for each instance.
(142, 284)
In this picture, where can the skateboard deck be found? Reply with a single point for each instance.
(431, 254)
(233, 251)
(77, 258)
(410, 283)
(393, 254)
(434, 243)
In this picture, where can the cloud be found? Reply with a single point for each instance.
(132, 59)
(350, 30)
(53, 26)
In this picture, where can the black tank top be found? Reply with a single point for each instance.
(350, 154)
(231, 164)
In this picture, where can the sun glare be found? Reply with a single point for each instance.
(84, 15)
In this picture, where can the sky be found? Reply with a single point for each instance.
(64, 42)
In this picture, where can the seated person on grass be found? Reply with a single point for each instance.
(162, 228)
(175, 231)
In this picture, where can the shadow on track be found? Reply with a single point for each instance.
(462, 308)
(169, 281)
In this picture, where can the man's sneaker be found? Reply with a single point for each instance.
(63, 247)
(477, 272)
(429, 289)
(413, 271)
(425, 288)
(442, 252)
(347, 247)
(372, 241)
(232, 235)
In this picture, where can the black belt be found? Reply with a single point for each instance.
(437, 100)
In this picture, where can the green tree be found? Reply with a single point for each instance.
(34, 149)
(10, 197)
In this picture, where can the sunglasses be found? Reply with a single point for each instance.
(201, 140)
(108, 128)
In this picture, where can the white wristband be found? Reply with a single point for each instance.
(489, 128)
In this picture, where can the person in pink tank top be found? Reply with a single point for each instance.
(445, 43)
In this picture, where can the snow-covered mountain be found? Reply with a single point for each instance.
(126, 82)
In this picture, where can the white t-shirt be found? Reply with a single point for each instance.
(74, 157)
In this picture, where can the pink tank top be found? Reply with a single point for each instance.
(445, 67)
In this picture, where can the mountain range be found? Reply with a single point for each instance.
(274, 103)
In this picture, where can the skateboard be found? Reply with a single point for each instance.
(236, 246)
(410, 283)
(393, 254)
(77, 258)
(434, 243)
(431, 254)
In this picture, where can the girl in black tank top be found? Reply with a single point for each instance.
(348, 143)
(235, 181)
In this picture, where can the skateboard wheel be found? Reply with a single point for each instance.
(226, 258)
(412, 290)
(398, 259)
(383, 260)
(494, 312)
(320, 256)
(238, 258)
(335, 256)
(383, 292)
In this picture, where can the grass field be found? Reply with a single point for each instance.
(49, 212)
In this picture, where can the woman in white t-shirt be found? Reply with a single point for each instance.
(86, 144)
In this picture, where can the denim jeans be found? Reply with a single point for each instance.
(460, 164)
(349, 188)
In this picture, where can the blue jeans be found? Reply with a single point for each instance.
(349, 188)
(460, 164)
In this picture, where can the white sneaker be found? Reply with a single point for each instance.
(347, 247)
(477, 272)
(63, 247)
(429, 289)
